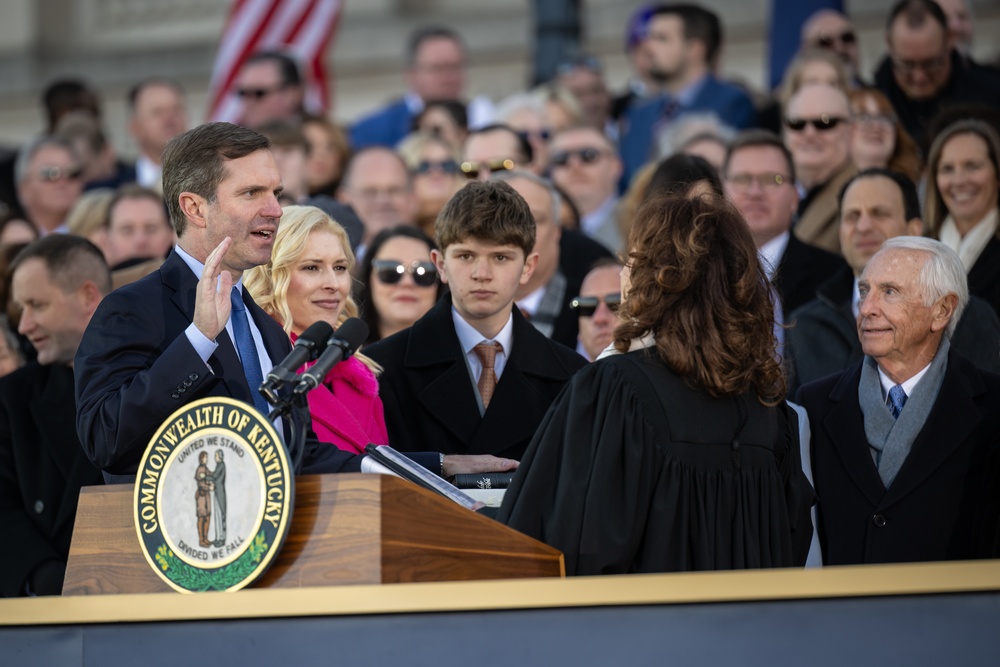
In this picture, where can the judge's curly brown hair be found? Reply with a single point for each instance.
(696, 283)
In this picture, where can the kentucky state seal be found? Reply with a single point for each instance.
(213, 496)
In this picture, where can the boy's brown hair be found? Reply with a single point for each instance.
(490, 212)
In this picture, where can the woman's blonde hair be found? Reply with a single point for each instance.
(268, 283)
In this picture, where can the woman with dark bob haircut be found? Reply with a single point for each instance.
(675, 453)
(403, 255)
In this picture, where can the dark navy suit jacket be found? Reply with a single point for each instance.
(430, 403)
(384, 127)
(943, 504)
(135, 367)
(730, 103)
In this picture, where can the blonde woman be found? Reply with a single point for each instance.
(309, 279)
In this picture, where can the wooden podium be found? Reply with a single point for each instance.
(346, 529)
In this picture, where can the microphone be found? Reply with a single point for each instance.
(341, 345)
(307, 347)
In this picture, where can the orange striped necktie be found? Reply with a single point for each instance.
(487, 353)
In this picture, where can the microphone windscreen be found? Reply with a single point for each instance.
(353, 332)
(316, 333)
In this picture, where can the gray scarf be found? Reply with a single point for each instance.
(890, 439)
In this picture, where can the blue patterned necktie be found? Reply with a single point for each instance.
(248, 350)
(897, 399)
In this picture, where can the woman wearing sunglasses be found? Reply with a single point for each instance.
(398, 282)
(433, 166)
(307, 280)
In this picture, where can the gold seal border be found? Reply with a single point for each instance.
(288, 501)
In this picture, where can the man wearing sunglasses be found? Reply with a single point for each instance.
(584, 163)
(818, 132)
(271, 88)
(597, 307)
(922, 74)
(495, 148)
(49, 181)
(831, 30)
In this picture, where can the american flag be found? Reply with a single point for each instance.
(302, 28)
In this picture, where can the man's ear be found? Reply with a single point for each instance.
(194, 207)
(530, 262)
(915, 227)
(942, 312)
(438, 258)
(90, 295)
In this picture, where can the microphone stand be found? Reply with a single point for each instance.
(296, 407)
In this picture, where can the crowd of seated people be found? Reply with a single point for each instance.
(641, 300)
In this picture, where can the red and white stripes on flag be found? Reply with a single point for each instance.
(302, 28)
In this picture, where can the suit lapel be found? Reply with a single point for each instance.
(434, 352)
(225, 362)
(845, 427)
(515, 411)
(950, 422)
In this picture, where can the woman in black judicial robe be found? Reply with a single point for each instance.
(677, 452)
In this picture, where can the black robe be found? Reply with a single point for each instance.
(632, 470)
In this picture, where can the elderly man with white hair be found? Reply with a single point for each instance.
(905, 442)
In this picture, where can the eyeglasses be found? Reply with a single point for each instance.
(586, 156)
(586, 306)
(472, 169)
(927, 66)
(822, 124)
(446, 166)
(53, 174)
(258, 94)
(875, 119)
(765, 181)
(828, 41)
(391, 271)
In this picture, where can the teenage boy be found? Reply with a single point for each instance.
(472, 376)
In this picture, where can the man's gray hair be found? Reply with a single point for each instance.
(27, 153)
(942, 274)
(515, 174)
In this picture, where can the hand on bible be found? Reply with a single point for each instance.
(455, 464)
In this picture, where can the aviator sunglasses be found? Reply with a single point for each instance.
(586, 155)
(471, 169)
(259, 93)
(53, 174)
(822, 124)
(391, 271)
(829, 41)
(586, 306)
